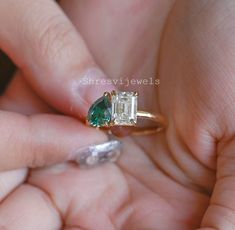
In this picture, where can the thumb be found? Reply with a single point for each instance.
(220, 214)
(51, 54)
(41, 140)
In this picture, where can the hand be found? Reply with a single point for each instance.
(48, 50)
(163, 182)
(53, 58)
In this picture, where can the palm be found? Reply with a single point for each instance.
(162, 181)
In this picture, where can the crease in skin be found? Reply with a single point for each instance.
(49, 196)
(35, 194)
(186, 182)
(195, 178)
(10, 180)
(56, 169)
(123, 213)
(73, 227)
(224, 142)
(180, 177)
(125, 210)
(127, 171)
(155, 163)
(137, 214)
(67, 215)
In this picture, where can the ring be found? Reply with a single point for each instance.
(120, 109)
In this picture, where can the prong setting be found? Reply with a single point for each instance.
(87, 122)
(133, 122)
(136, 93)
(112, 123)
(113, 93)
(108, 95)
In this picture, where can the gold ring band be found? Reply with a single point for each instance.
(159, 123)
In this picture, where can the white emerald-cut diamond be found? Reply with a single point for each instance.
(124, 108)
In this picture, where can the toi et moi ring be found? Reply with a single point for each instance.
(120, 109)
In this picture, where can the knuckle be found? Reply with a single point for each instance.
(34, 151)
(39, 155)
(36, 159)
(52, 39)
(47, 34)
(54, 36)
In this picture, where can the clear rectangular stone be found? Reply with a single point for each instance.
(124, 108)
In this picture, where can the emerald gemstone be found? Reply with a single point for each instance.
(100, 112)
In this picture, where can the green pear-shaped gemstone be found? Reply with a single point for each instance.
(100, 112)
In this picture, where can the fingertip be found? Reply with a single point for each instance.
(89, 86)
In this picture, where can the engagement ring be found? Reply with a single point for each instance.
(120, 110)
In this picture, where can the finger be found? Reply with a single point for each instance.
(82, 184)
(9, 180)
(132, 58)
(220, 214)
(19, 97)
(28, 208)
(40, 140)
(52, 55)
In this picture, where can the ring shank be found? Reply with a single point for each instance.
(158, 119)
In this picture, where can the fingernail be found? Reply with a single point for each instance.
(98, 154)
(93, 84)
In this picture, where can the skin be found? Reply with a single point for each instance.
(179, 179)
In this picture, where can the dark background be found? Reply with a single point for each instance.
(7, 69)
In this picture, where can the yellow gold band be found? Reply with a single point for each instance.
(159, 123)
